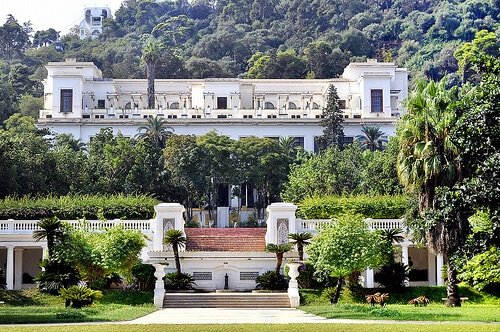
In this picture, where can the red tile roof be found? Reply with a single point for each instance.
(225, 239)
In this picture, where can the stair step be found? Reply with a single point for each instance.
(226, 300)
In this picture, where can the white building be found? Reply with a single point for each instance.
(91, 25)
(79, 101)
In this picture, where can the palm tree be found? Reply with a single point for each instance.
(428, 159)
(371, 138)
(301, 240)
(51, 229)
(151, 53)
(156, 130)
(287, 145)
(176, 238)
(279, 250)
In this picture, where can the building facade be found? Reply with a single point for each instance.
(79, 101)
(91, 25)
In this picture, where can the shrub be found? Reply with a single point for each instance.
(56, 276)
(271, 280)
(392, 276)
(179, 281)
(78, 206)
(377, 207)
(144, 277)
(79, 296)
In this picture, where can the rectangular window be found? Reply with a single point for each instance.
(298, 142)
(101, 104)
(222, 103)
(377, 101)
(66, 100)
(222, 116)
(342, 104)
(348, 140)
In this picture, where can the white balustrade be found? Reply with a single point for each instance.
(29, 226)
(314, 225)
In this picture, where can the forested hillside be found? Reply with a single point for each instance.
(249, 38)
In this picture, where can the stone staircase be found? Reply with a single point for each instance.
(226, 300)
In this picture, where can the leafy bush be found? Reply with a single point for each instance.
(271, 280)
(79, 296)
(482, 270)
(78, 206)
(144, 276)
(179, 281)
(377, 207)
(392, 276)
(56, 276)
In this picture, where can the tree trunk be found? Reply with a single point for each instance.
(177, 259)
(279, 259)
(336, 296)
(452, 288)
(300, 249)
(150, 73)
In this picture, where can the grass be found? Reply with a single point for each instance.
(480, 307)
(31, 306)
(260, 327)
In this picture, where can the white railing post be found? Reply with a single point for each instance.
(280, 222)
(159, 294)
(293, 285)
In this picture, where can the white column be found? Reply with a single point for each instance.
(45, 254)
(293, 285)
(439, 269)
(370, 281)
(159, 294)
(431, 266)
(404, 253)
(9, 273)
(167, 211)
(18, 268)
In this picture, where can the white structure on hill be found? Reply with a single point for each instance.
(79, 101)
(91, 25)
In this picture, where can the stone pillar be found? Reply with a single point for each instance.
(405, 259)
(168, 216)
(159, 294)
(45, 254)
(18, 268)
(431, 267)
(293, 285)
(439, 269)
(370, 280)
(9, 273)
(280, 222)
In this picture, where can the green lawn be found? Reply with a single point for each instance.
(433, 312)
(30, 306)
(261, 327)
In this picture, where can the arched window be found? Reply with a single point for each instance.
(315, 106)
(127, 106)
(292, 106)
(104, 14)
(268, 106)
(174, 106)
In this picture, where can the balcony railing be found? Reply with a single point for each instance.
(29, 226)
(314, 225)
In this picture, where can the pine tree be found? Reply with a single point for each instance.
(333, 132)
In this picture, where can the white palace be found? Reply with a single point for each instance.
(78, 100)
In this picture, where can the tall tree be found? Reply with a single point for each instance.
(155, 130)
(371, 138)
(428, 159)
(333, 132)
(50, 229)
(151, 53)
(279, 250)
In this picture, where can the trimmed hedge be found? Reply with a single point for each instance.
(78, 206)
(377, 207)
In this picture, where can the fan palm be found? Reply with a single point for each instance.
(279, 250)
(50, 229)
(428, 159)
(301, 240)
(156, 130)
(371, 138)
(176, 238)
(151, 53)
(287, 145)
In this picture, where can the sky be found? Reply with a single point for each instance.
(61, 15)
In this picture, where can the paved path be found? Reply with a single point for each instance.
(227, 316)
